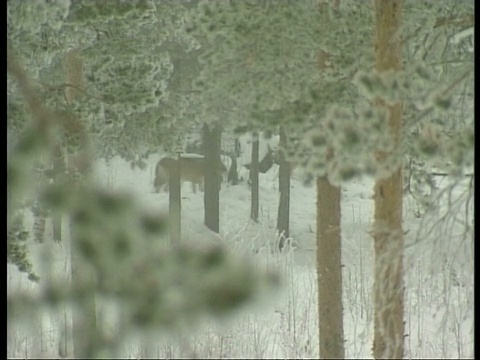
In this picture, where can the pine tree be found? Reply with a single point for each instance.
(388, 234)
(93, 113)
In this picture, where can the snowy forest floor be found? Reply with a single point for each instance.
(438, 276)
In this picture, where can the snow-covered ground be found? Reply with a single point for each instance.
(439, 289)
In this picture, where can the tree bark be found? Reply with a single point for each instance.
(283, 219)
(58, 173)
(174, 202)
(233, 173)
(211, 142)
(388, 192)
(232, 177)
(254, 181)
(329, 250)
(329, 270)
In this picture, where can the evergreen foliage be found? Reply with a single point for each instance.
(153, 68)
(125, 108)
(17, 250)
(304, 66)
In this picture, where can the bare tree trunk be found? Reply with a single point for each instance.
(174, 202)
(283, 219)
(58, 173)
(254, 181)
(233, 173)
(388, 235)
(232, 177)
(211, 142)
(329, 270)
(329, 251)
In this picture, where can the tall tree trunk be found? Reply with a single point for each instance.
(58, 173)
(232, 177)
(283, 219)
(232, 172)
(211, 143)
(329, 270)
(237, 149)
(388, 235)
(174, 201)
(329, 251)
(84, 329)
(254, 181)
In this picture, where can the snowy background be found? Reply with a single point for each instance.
(438, 275)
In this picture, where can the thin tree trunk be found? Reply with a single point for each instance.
(58, 173)
(388, 192)
(283, 219)
(237, 149)
(232, 177)
(174, 201)
(329, 270)
(254, 181)
(211, 142)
